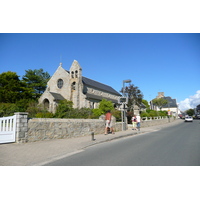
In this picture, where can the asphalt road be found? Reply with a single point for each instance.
(173, 146)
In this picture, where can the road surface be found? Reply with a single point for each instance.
(173, 146)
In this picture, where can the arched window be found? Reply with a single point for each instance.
(72, 74)
(76, 74)
(46, 103)
(60, 83)
(73, 86)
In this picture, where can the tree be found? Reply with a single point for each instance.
(37, 80)
(190, 112)
(134, 95)
(104, 106)
(11, 88)
(160, 102)
(145, 102)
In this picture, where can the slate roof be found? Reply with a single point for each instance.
(92, 96)
(57, 96)
(100, 86)
(172, 102)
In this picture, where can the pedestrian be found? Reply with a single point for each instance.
(108, 119)
(134, 122)
(138, 122)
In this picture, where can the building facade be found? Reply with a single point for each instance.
(72, 86)
(171, 107)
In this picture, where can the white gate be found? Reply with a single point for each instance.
(7, 129)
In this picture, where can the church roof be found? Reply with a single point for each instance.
(100, 86)
(57, 96)
(93, 96)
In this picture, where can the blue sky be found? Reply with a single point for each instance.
(160, 62)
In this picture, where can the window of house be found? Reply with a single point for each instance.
(60, 83)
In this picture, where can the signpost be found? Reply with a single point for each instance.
(123, 101)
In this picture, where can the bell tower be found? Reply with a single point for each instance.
(75, 83)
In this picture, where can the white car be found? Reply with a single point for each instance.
(188, 119)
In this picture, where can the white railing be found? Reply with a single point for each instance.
(153, 118)
(7, 129)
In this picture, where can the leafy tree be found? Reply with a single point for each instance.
(145, 102)
(105, 105)
(160, 102)
(37, 80)
(190, 112)
(134, 95)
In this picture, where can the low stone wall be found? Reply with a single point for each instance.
(45, 129)
(147, 123)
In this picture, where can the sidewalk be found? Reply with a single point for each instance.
(42, 152)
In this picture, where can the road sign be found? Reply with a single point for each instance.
(122, 100)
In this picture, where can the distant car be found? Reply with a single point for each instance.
(188, 119)
(197, 116)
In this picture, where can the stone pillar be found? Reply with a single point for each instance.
(21, 126)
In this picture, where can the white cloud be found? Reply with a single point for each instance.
(190, 102)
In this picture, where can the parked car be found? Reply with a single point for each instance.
(188, 119)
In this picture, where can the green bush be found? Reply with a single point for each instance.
(64, 109)
(117, 114)
(162, 113)
(44, 115)
(153, 113)
(33, 109)
(82, 113)
(145, 114)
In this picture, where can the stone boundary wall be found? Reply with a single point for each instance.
(148, 123)
(45, 129)
(38, 129)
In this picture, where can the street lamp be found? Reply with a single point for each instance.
(123, 105)
(125, 81)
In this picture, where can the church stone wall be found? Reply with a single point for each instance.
(52, 84)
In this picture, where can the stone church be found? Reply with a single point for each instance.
(72, 86)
